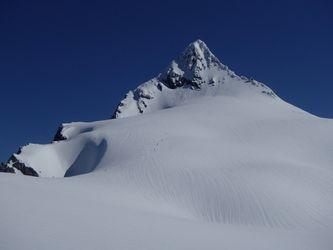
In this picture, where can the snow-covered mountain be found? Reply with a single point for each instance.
(197, 158)
(196, 72)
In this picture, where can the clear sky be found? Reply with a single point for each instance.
(71, 60)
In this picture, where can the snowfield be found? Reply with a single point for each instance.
(197, 158)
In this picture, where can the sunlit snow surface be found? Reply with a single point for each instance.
(224, 168)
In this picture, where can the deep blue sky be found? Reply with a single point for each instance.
(67, 60)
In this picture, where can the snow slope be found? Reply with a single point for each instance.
(208, 165)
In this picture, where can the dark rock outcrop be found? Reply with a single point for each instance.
(6, 169)
(59, 136)
(176, 82)
(21, 167)
(13, 163)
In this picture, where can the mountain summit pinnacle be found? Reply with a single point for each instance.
(191, 66)
(198, 53)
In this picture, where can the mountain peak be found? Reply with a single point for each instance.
(191, 67)
(198, 51)
(195, 72)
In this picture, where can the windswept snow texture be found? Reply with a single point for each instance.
(224, 167)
